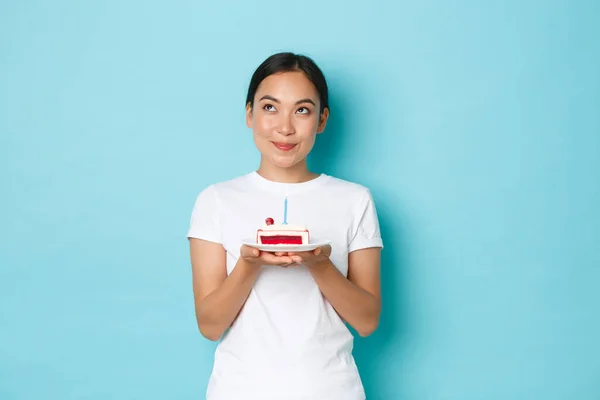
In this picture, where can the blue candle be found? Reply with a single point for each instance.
(285, 211)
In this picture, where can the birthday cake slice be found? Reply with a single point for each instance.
(272, 233)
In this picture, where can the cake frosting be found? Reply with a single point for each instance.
(283, 227)
(272, 233)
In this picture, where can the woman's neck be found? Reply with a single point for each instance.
(297, 174)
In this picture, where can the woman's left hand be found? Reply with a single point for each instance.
(308, 258)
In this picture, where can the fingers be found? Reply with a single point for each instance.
(247, 251)
(294, 261)
(284, 259)
(298, 257)
(311, 256)
(272, 259)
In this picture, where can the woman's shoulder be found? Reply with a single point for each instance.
(212, 195)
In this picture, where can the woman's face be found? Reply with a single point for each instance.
(285, 118)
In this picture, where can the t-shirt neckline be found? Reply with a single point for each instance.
(287, 188)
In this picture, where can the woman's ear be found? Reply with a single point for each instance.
(323, 120)
(249, 115)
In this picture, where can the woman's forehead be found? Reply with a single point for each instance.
(288, 86)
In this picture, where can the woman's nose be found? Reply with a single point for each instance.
(285, 127)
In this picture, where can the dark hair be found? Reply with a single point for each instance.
(287, 62)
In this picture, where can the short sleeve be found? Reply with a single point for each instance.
(366, 232)
(204, 223)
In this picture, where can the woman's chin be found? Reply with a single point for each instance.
(284, 162)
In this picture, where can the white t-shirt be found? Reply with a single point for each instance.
(287, 342)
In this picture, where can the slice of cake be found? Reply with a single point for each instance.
(273, 233)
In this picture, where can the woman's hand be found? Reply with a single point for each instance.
(308, 258)
(257, 258)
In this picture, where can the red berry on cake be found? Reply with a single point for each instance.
(269, 221)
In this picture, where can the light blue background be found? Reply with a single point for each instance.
(475, 124)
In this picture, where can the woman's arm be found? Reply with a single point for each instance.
(356, 299)
(218, 298)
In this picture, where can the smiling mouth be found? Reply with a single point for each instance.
(284, 146)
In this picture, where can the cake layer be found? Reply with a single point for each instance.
(282, 237)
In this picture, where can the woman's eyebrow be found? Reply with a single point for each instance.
(273, 99)
(267, 97)
(306, 101)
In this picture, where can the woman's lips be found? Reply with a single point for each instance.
(284, 146)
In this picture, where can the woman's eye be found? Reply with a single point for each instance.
(268, 107)
(303, 110)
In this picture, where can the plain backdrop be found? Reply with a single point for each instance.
(475, 124)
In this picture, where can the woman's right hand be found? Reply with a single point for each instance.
(258, 258)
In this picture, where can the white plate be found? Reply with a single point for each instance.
(286, 247)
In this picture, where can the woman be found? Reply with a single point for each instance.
(280, 317)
